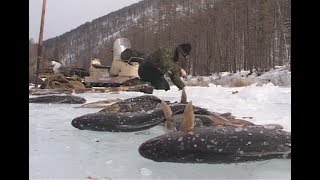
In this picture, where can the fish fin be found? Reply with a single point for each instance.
(188, 118)
(183, 96)
(166, 109)
(285, 154)
(240, 122)
(167, 115)
(133, 128)
(272, 126)
(220, 120)
(111, 108)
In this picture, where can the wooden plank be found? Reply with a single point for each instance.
(139, 88)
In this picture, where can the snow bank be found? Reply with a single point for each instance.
(279, 76)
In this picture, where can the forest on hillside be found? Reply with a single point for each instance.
(226, 35)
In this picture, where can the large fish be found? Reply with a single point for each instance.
(118, 122)
(147, 103)
(218, 144)
(140, 103)
(59, 99)
(127, 121)
(140, 113)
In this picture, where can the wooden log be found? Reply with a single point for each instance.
(139, 88)
(35, 91)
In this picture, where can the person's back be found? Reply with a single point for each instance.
(162, 59)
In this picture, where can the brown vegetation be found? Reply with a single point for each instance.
(197, 83)
(240, 83)
(44, 63)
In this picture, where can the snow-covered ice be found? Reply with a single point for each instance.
(57, 150)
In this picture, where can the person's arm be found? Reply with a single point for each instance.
(174, 74)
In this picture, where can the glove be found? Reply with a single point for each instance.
(126, 54)
(183, 74)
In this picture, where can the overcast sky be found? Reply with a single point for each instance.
(63, 15)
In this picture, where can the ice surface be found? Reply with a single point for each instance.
(57, 150)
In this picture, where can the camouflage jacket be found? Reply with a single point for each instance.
(163, 60)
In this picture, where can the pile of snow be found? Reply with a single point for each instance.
(278, 76)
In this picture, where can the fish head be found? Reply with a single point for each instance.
(163, 148)
(150, 148)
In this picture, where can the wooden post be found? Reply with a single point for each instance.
(40, 42)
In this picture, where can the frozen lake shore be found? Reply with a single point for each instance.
(57, 150)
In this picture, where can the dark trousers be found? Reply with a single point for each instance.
(149, 73)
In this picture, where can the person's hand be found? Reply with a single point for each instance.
(183, 96)
(183, 74)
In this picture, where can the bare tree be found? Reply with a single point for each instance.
(226, 35)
